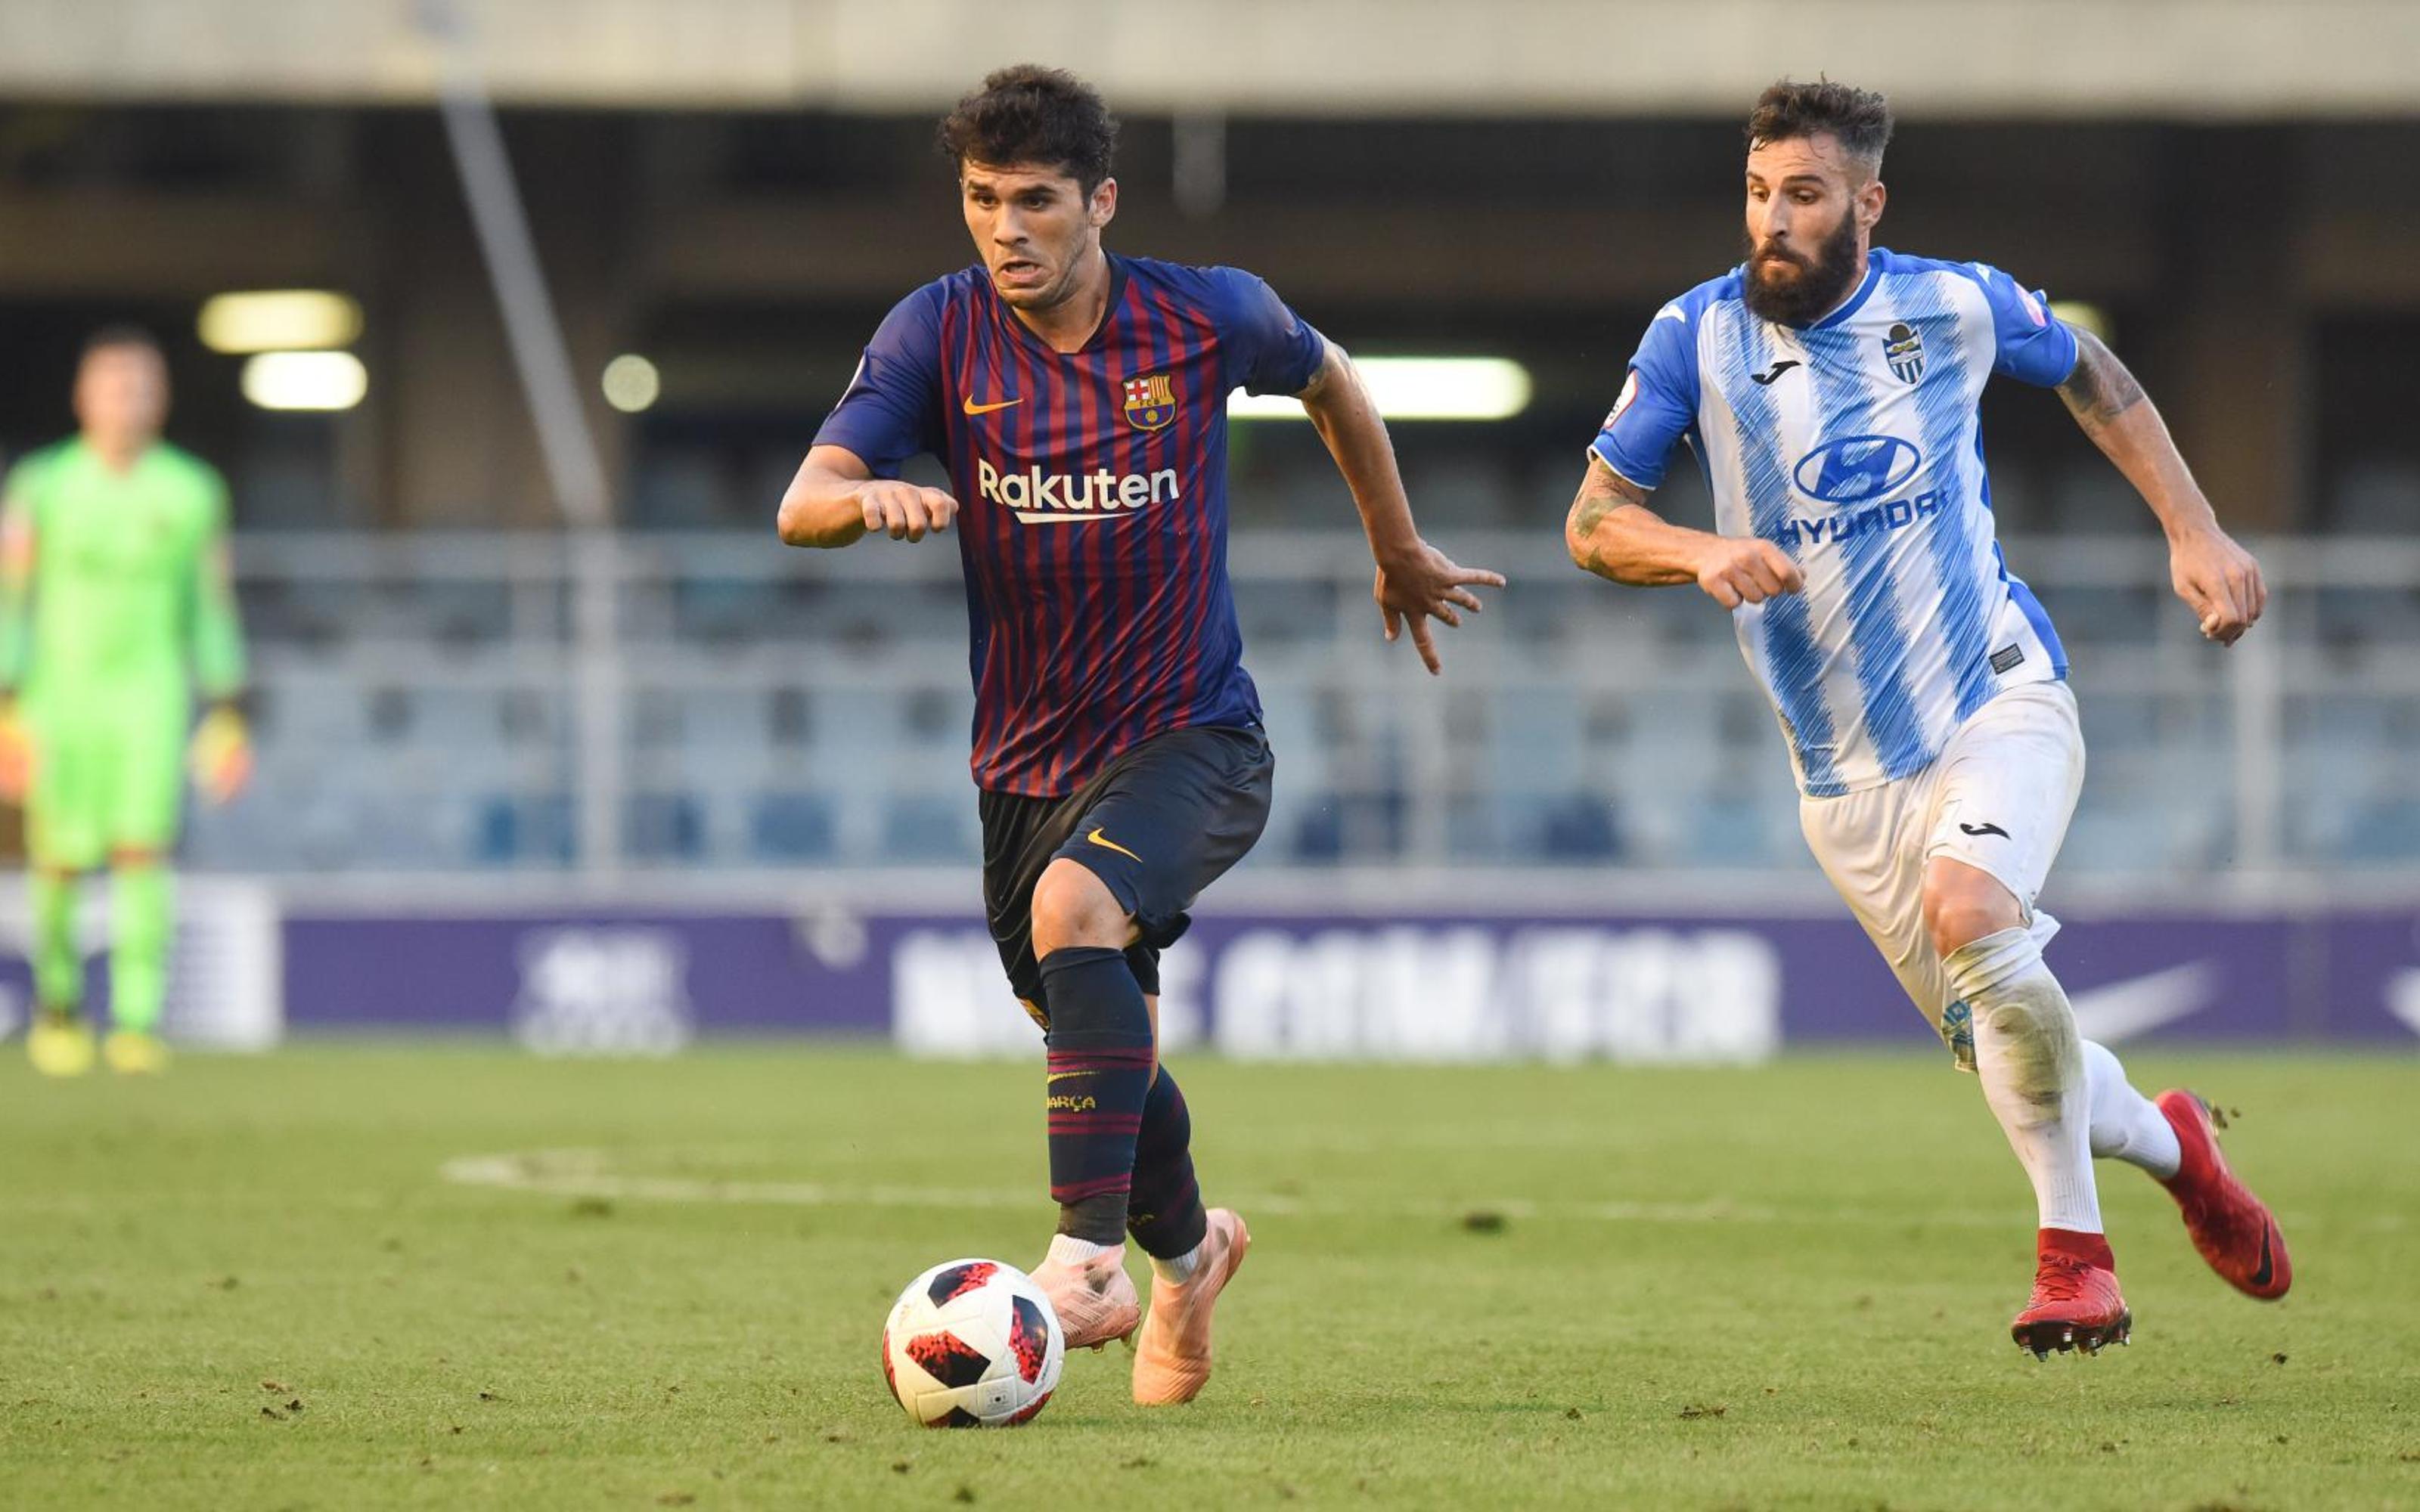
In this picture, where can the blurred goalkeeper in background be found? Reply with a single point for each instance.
(115, 605)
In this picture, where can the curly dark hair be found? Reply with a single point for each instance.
(1033, 115)
(1860, 118)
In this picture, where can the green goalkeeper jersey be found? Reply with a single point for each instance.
(129, 590)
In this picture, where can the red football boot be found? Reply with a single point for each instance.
(2075, 1303)
(2231, 1228)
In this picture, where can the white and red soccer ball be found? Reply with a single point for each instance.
(972, 1344)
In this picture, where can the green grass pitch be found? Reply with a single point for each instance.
(254, 1284)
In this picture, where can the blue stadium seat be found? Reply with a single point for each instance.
(664, 827)
(722, 609)
(1579, 828)
(2385, 832)
(457, 718)
(525, 830)
(1278, 616)
(923, 826)
(793, 827)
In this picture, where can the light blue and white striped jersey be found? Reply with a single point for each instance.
(1855, 445)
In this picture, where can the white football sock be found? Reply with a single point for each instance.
(1068, 1250)
(2126, 1125)
(1180, 1270)
(2031, 1063)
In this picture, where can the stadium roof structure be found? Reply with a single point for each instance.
(2202, 60)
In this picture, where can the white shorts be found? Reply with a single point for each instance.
(1998, 799)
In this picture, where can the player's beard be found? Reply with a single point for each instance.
(1822, 280)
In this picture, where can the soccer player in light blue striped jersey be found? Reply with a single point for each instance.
(1829, 389)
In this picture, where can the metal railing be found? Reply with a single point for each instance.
(420, 712)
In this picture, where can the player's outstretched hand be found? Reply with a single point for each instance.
(1736, 570)
(2220, 580)
(1425, 585)
(904, 512)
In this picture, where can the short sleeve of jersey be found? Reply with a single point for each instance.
(1658, 401)
(2028, 343)
(1270, 349)
(892, 409)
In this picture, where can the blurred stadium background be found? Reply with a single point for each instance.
(614, 788)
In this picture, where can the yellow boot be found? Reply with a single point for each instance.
(134, 1052)
(59, 1045)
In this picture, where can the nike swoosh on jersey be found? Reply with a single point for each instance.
(1096, 838)
(974, 408)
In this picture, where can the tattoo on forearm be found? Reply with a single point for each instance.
(2100, 389)
(1602, 492)
(1590, 512)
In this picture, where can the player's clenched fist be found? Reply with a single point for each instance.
(1736, 570)
(904, 512)
(2220, 580)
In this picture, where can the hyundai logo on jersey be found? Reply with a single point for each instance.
(1854, 469)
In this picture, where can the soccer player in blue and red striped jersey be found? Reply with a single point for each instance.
(1078, 400)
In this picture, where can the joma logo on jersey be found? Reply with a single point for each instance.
(1039, 498)
(1151, 401)
(1854, 469)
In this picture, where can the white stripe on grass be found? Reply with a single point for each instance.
(591, 1173)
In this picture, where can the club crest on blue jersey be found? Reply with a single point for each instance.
(1904, 348)
(1151, 401)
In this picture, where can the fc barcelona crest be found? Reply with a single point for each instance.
(1904, 348)
(1151, 401)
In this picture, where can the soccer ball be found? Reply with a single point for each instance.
(972, 1344)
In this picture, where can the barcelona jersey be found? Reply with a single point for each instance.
(1092, 488)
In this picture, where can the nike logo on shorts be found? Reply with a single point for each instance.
(1096, 838)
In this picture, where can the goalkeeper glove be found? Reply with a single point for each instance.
(16, 753)
(220, 755)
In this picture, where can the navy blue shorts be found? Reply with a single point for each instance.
(1160, 822)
